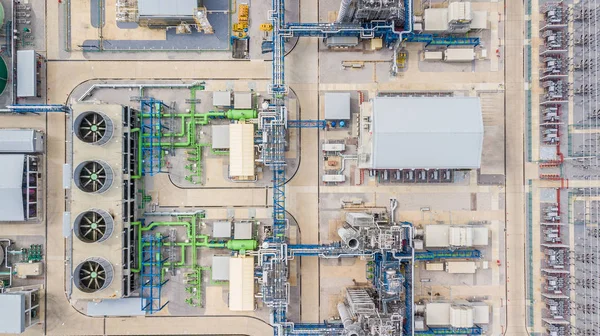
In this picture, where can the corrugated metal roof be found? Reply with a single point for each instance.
(241, 151)
(427, 132)
(26, 73)
(337, 106)
(12, 317)
(167, 7)
(241, 284)
(11, 191)
(17, 141)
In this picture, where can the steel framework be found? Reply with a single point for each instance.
(151, 281)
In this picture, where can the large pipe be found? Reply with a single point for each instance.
(349, 237)
(344, 5)
(344, 315)
(351, 328)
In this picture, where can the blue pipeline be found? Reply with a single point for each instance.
(32, 108)
(448, 254)
(373, 29)
(325, 328)
(450, 331)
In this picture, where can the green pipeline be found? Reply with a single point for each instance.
(202, 118)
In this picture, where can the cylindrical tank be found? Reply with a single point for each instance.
(242, 244)
(241, 114)
(1, 254)
(349, 237)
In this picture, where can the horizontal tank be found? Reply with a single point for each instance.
(241, 114)
(242, 244)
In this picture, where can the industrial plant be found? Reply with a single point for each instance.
(344, 167)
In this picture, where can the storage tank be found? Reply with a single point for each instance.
(241, 114)
(242, 244)
(3, 75)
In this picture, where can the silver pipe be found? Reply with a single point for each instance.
(344, 5)
(128, 86)
(344, 158)
(197, 212)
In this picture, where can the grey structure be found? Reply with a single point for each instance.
(337, 106)
(21, 141)
(19, 310)
(161, 13)
(242, 230)
(220, 136)
(220, 268)
(427, 132)
(12, 319)
(221, 230)
(118, 307)
(26, 73)
(11, 187)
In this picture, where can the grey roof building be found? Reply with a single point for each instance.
(337, 105)
(424, 133)
(11, 187)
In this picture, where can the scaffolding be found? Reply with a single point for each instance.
(151, 127)
(151, 280)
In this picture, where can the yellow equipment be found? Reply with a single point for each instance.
(266, 27)
(243, 12)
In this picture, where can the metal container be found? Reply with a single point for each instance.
(241, 114)
(242, 244)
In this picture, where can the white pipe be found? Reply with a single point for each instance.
(344, 158)
(129, 86)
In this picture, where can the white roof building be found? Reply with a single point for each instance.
(241, 284)
(421, 133)
(241, 150)
(21, 141)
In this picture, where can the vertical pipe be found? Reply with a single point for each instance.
(344, 5)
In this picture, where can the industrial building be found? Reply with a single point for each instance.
(337, 106)
(19, 310)
(443, 236)
(21, 175)
(27, 73)
(165, 13)
(461, 315)
(421, 132)
(458, 17)
(187, 180)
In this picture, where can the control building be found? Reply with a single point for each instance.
(421, 133)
